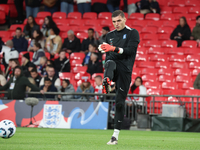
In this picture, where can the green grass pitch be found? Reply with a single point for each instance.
(77, 139)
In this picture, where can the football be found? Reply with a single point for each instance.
(7, 129)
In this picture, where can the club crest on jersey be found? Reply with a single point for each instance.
(111, 41)
(124, 36)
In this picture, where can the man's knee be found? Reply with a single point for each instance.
(110, 64)
(120, 105)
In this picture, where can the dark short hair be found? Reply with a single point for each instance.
(94, 45)
(34, 70)
(98, 76)
(51, 66)
(18, 28)
(56, 30)
(106, 28)
(47, 79)
(197, 17)
(91, 29)
(63, 50)
(38, 45)
(67, 81)
(118, 13)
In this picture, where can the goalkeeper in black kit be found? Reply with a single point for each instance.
(120, 48)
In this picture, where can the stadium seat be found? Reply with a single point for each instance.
(169, 44)
(193, 58)
(179, 10)
(140, 23)
(136, 16)
(2, 17)
(152, 44)
(149, 30)
(194, 10)
(163, 65)
(163, 37)
(40, 21)
(89, 22)
(64, 28)
(186, 86)
(106, 22)
(59, 15)
(173, 92)
(63, 35)
(155, 50)
(149, 71)
(90, 15)
(141, 50)
(191, 51)
(2, 68)
(195, 72)
(157, 58)
(149, 37)
(175, 51)
(104, 15)
(76, 22)
(187, 16)
(15, 26)
(144, 64)
(78, 76)
(77, 55)
(165, 78)
(165, 30)
(179, 65)
(152, 91)
(152, 23)
(152, 16)
(42, 15)
(192, 92)
(48, 55)
(82, 36)
(13, 11)
(175, 3)
(166, 72)
(136, 71)
(190, 3)
(141, 57)
(97, 74)
(166, 10)
(172, 24)
(74, 15)
(57, 55)
(183, 79)
(66, 75)
(167, 17)
(5, 8)
(169, 85)
(194, 65)
(189, 44)
(149, 78)
(79, 69)
(182, 72)
(177, 58)
(152, 85)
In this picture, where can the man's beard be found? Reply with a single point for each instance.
(17, 76)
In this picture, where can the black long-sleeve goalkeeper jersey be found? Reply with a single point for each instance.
(128, 39)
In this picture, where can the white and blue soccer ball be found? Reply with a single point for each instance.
(7, 129)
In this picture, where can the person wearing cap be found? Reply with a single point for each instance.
(102, 38)
(85, 87)
(38, 53)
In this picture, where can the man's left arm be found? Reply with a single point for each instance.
(33, 87)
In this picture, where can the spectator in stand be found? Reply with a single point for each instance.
(67, 6)
(51, 5)
(62, 64)
(67, 88)
(25, 64)
(48, 87)
(85, 87)
(30, 26)
(98, 88)
(19, 41)
(9, 52)
(132, 7)
(19, 7)
(72, 43)
(32, 7)
(52, 75)
(83, 6)
(54, 42)
(181, 32)
(148, 6)
(48, 24)
(95, 64)
(12, 64)
(42, 66)
(35, 75)
(113, 5)
(2, 78)
(37, 38)
(16, 86)
(92, 49)
(38, 53)
(31, 66)
(102, 38)
(99, 6)
(196, 31)
(89, 40)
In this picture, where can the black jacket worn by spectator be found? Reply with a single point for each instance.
(33, 3)
(74, 46)
(68, 1)
(37, 80)
(95, 68)
(20, 44)
(29, 32)
(86, 43)
(128, 39)
(185, 31)
(25, 69)
(62, 66)
(115, 3)
(146, 5)
(17, 87)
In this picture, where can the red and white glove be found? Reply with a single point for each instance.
(105, 47)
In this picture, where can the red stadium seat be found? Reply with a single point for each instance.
(187, 16)
(189, 44)
(149, 30)
(4, 34)
(175, 3)
(15, 26)
(175, 51)
(141, 57)
(48, 55)
(78, 76)
(90, 15)
(184, 79)
(106, 22)
(2, 17)
(191, 51)
(79, 69)
(193, 58)
(94, 22)
(152, 23)
(5, 8)
(82, 29)
(149, 37)
(64, 28)
(42, 15)
(152, 91)
(141, 50)
(166, 72)
(155, 50)
(192, 92)
(140, 23)
(169, 85)
(164, 37)
(74, 15)
(195, 72)
(165, 78)
(169, 44)
(166, 10)
(97, 74)
(173, 92)
(152, 85)
(186, 86)
(179, 65)
(76, 22)
(13, 11)
(182, 72)
(77, 55)
(179, 10)
(172, 24)
(152, 16)
(177, 58)
(157, 58)
(167, 17)
(136, 71)
(57, 55)
(165, 30)
(163, 65)
(104, 15)
(149, 71)
(191, 3)
(76, 62)
(145, 64)
(194, 10)
(152, 44)
(194, 65)
(149, 78)
(136, 16)
(82, 36)
(66, 75)
(59, 15)
(40, 21)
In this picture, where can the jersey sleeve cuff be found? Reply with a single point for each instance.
(120, 50)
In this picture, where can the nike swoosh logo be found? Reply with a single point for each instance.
(119, 121)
